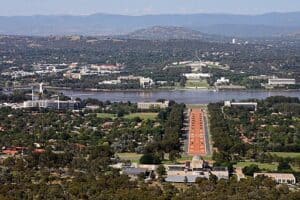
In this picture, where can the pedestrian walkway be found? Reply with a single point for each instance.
(197, 139)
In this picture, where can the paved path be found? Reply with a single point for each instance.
(197, 133)
(207, 137)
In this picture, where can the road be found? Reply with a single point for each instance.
(197, 133)
(207, 136)
(205, 132)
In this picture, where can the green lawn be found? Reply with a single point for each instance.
(196, 83)
(106, 115)
(286, 154)
(266, 166)
(133, 157)
(143, 116)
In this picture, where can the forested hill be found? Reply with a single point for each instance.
(104, 24)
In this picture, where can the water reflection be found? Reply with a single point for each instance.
(183, 96)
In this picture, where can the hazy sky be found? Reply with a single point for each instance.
(140, 7)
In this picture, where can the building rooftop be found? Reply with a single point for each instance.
(276, 175)
(182, 179)
(134, 171)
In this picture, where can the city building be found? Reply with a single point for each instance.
(133, 172)
(146, 82)
(262, 77)
(18, 74)
(281, 81)
(111, 82)
(279, 177)
(233, 41)
(252, 105)
(190, 171)
(150, 105)
(222, 81)
(107, 69)
(193, 76)
(41, 90)
(72, 75)
(51, 104)
(143, 81)
(220, 172)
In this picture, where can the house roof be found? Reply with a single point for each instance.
(181, 179)
(276, 175)
(134, 171)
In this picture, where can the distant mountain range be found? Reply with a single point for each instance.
(272, 24)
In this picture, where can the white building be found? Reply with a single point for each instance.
(144, 81)
(111, 82)
(233, 41)
(149, 105)
(189, 172)
(279, 177)
(51, 104)
(282, 81)
(191, 76)
(262, 77)
(41, 90)
(222, 81)
(221, 173)
(72, 75)
(106, 67)
(242, 104)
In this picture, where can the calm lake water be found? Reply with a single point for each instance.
(181, 96)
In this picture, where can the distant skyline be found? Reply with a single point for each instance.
(144, 7)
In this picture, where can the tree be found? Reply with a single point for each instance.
(149, 159)
(185, 180)
(120, 113)
(161, 171)
(251, 169)
(284, 166)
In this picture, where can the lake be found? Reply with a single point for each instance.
(181, 96)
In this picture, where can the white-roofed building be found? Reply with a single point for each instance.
(279, 177)
(193, 76)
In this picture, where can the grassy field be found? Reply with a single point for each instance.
(143, 116)
(196, 84)
(266, 166)
(106, 115)
(133, 157)
(286, 154)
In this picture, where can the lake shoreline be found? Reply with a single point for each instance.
(161, 89)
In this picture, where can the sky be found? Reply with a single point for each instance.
(142, 7)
